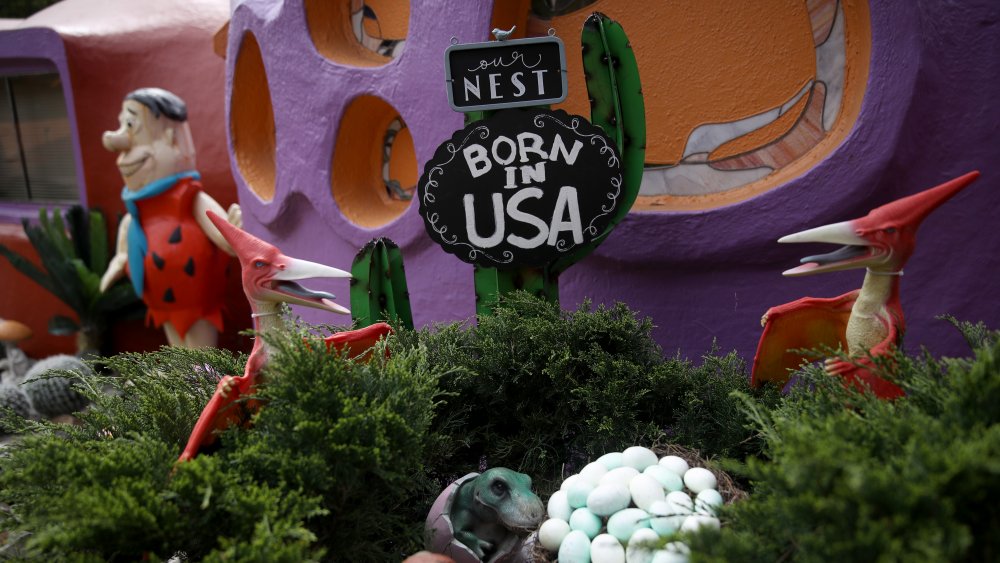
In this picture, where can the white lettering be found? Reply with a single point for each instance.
(532, 174)
(516, 79)
(541, 85)
(535, 146)
(518, 215)
(493, 87)
(475, 157)
(470, 222)
(511, 174)
(513, 150)
(558, 146)
(567, 202)
(469, 87)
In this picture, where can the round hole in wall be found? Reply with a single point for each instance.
(374, 163)
(358, 32)
(251, 120)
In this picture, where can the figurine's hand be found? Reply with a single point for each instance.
(234, 215)
(836, 366)
(227, 385)
(116, 268)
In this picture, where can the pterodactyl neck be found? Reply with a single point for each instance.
(870, 316)
(266, 318)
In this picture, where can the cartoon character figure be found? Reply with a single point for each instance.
(175, 256)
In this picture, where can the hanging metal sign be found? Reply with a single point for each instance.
(506, 74)
(521, 188)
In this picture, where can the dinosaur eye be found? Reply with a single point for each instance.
(499, 487)
(259, 264)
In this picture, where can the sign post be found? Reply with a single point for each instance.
(525, 192)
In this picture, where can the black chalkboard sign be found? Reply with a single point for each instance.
(506, 74)
(521, 188)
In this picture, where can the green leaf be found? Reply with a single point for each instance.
(98, 242)
(118, 296)
(60, 325)
(27, 268)
(78, 224)
(65, 282)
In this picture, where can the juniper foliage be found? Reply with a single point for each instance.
(330, 468)
(848, 477)
(543, 391)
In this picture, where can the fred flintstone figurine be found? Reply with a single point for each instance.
(174, 255)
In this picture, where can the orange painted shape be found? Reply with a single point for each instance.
(702, 61)
(252, 120)
(403, 164)
(857, 46)
(767, 134)
(805, 133)
(393, 18)
(329, 24)
(356, 182)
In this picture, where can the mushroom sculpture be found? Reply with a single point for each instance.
(867, 322)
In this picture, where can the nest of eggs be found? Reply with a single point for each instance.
(726, 486)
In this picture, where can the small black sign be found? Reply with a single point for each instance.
(506, 74)
(521, 188)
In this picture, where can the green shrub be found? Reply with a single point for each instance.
(331, 467)
(848, 477)
(543, 390)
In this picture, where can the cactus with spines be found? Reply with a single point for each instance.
(617, 107)
(378, 285)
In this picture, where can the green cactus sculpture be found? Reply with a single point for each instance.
(617, 107)
(378, 287)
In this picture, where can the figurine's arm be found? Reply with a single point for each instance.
(116, 268)
(204, 203)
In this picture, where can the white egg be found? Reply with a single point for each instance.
(624, 523)
(638, 457)
(620, 475)
(586, 522)
(605, 500)
(552, 532)
(641, 546)
(696, 522)
(663, 521)
(680, 502)
(698, 479)
(668, 479)
(566, 484)
(593, 472)
(673, 552)
(578, 491)
(708, 502)
(611, 460)
(559, 506)
(675, 464)
(606, 549)
(645, 490)
(575, 548)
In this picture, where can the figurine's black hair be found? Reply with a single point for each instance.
(160, 101)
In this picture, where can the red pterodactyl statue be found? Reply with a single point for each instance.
(866, 321)
(269, 279)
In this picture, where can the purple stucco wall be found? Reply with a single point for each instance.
(929, 114)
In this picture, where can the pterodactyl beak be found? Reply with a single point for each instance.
(284, 289)
(882, 239)
(855, 253)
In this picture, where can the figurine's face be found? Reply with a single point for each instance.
(148, 147)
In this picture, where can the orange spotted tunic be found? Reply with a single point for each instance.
(185, 276)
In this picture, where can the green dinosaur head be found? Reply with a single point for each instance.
(509, 494)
